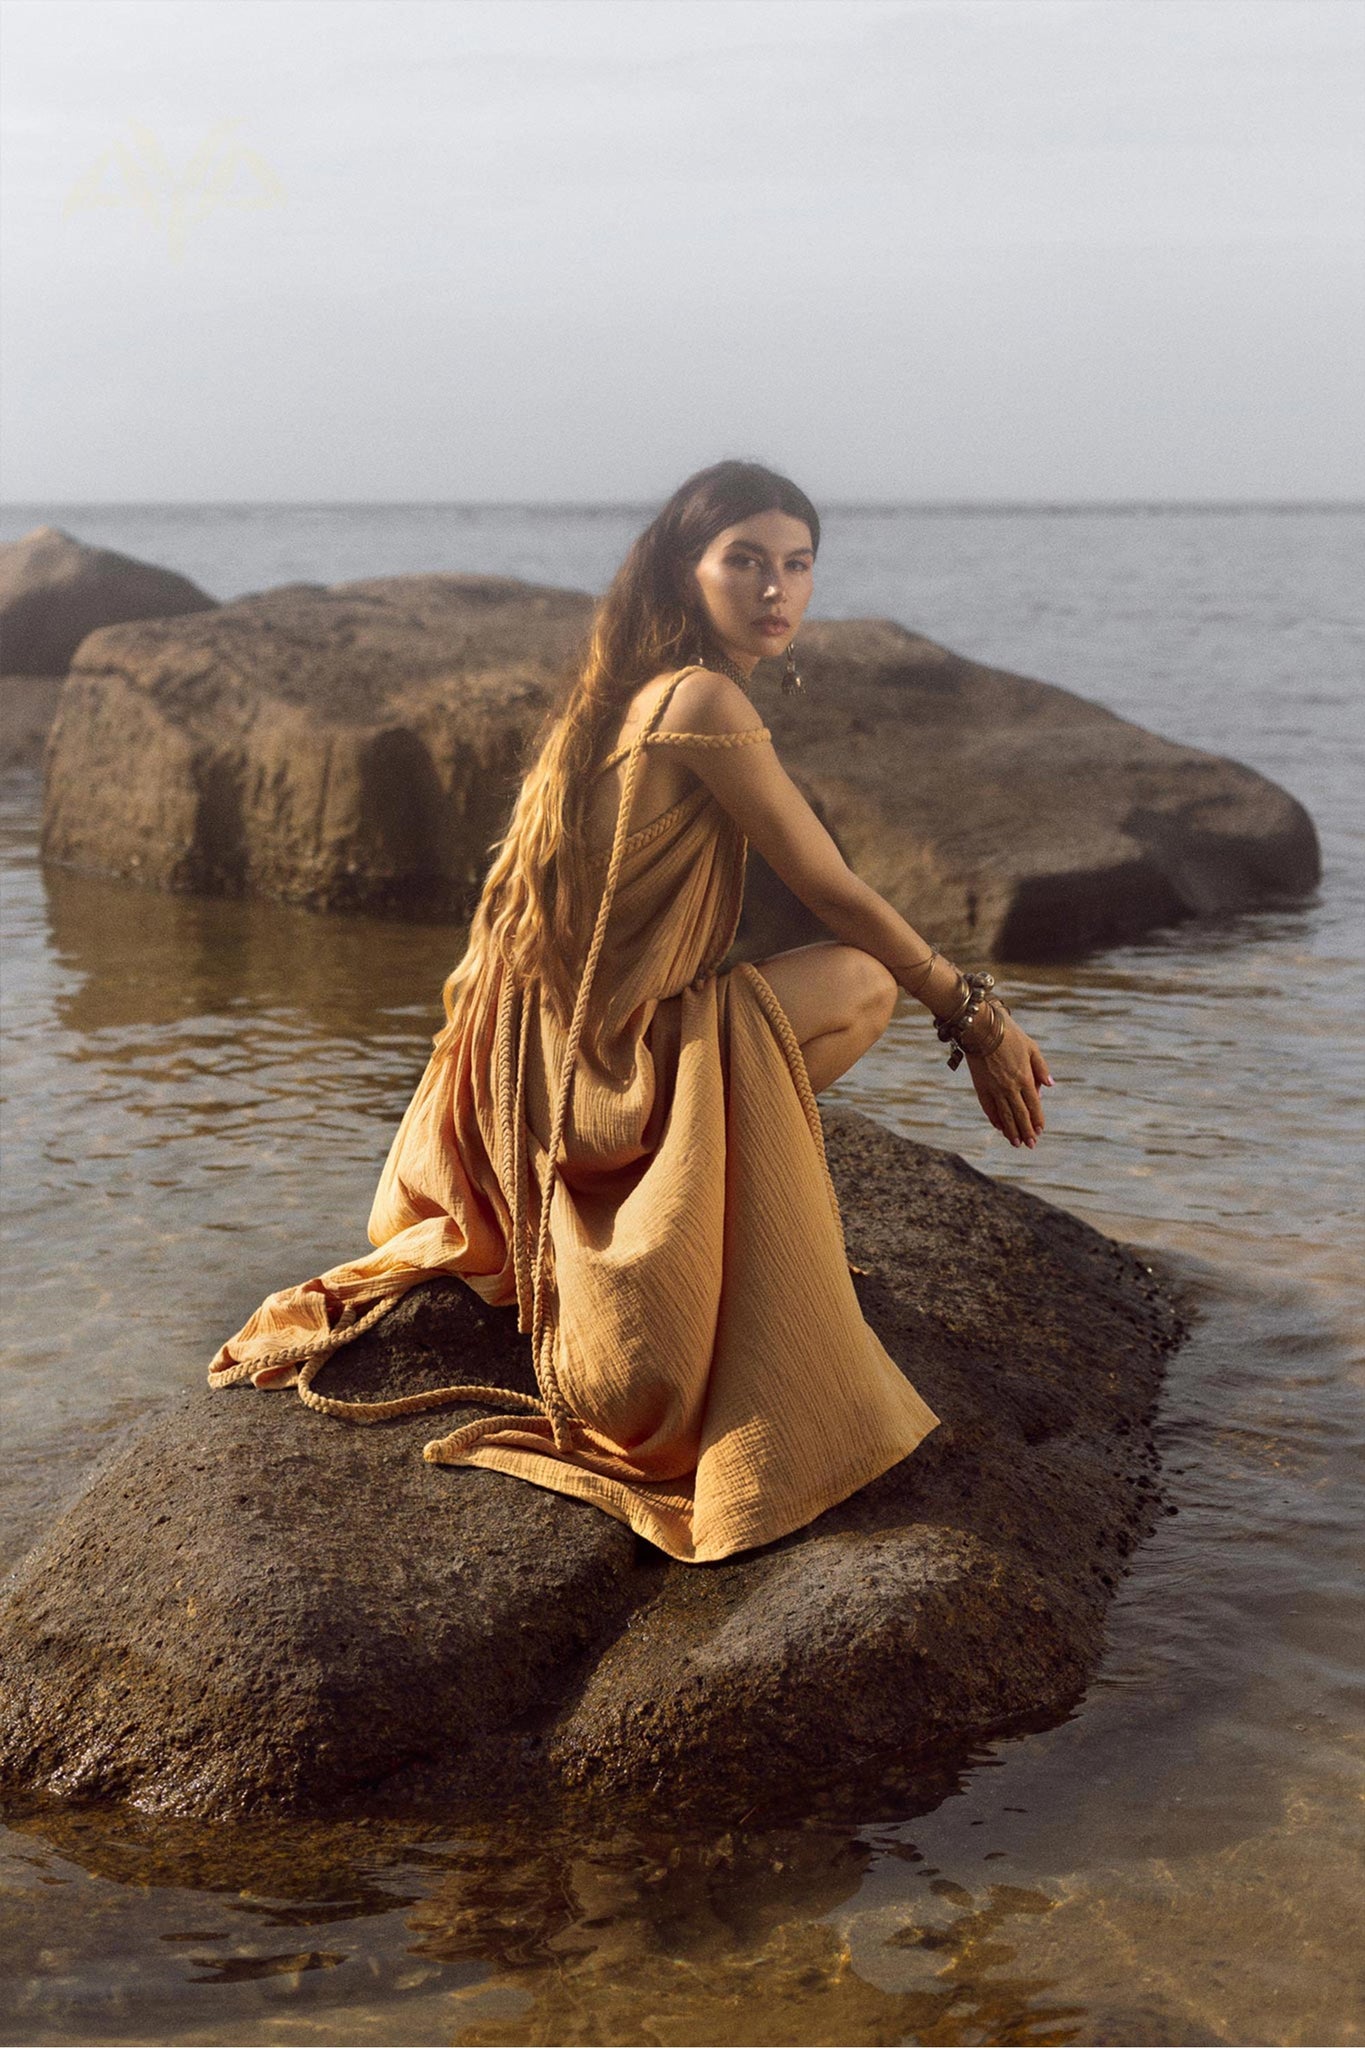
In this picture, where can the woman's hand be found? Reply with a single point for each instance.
(1007, 1082)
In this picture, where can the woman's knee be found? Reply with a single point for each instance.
(873, 988)
(832, 986)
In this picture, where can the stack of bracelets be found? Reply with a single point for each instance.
(972, 997)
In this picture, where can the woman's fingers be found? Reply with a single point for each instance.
(1011, 1103)
(1007, 1086)
(1033, 1108)
(998, 1102)
(1034, 1078)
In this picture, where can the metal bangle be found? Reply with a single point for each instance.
(973, 990)
(998, 1011)
(921, 968)
(962, 997)
(976, 991)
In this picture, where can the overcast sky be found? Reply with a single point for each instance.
(572, 249)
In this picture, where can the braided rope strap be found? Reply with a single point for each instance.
(542, 1334)
(522, 1246)
(747, 738)
(503, 1041)
(409, 1404)
(306, 1351)
(311, 1354)
(511, 1161)
(449, 1449)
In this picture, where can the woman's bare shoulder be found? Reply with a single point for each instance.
(705, 701)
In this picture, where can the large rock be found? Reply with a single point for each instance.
(251, 1606)
(55, 589)
(347, 749)
(356, 747)
(1014, 819)
(27, 704)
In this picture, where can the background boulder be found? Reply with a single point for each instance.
(348, 749)
(1014, 819)
(357, 747)
(254, 1606)
(55, 589)
(27, 704)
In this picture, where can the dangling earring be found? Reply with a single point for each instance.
(792, 684)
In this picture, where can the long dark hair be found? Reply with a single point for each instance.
(538, 900)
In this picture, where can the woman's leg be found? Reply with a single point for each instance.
(839, 1001)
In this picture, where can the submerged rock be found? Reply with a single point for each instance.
(357, 748)
(251, 1606)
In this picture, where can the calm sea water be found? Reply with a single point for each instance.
(198, 1097)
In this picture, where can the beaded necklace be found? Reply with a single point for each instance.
(727, 668)
(791, 681)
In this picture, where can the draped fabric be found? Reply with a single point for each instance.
(676, 1255)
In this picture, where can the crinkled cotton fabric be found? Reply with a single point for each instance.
(697, 1304)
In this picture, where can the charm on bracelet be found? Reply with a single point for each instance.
(973, 995)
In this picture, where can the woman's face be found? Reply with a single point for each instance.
(755, 583)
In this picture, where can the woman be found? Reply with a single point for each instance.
(623, 1140)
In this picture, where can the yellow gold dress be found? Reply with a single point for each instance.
(648, 1185)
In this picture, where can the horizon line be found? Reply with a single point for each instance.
(1238, 504)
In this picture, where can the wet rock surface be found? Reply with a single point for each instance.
(254, 1608)
(357, 746)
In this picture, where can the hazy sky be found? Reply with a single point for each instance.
(573, 249)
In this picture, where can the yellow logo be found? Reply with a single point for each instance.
(223, 172)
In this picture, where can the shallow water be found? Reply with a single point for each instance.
(198, 1098)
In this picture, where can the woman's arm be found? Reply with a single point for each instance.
(753, 786)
